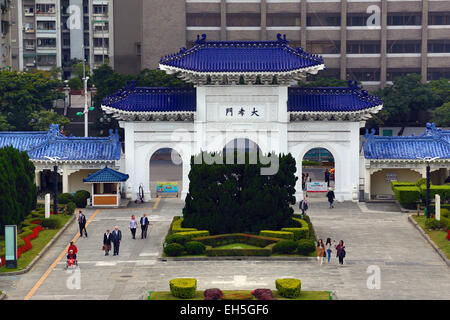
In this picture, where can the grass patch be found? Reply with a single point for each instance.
(304, 295)
(438, 236)
(39, 243)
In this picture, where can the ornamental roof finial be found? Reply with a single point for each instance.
(202, 40)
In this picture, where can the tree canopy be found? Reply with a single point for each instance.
(23, 95)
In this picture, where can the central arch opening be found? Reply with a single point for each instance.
(166, 173)
(318, 171)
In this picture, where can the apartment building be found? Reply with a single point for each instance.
(43, 34)
(372, 41)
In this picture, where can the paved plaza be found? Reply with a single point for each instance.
(410, 268)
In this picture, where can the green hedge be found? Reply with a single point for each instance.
(277, 234)
(306, 246)
(289, 288)
(195, 247)
(401, 184)
(184, 288)
(174, 249)
(407, 196)
(285, 246)
(80, 198)
(194, 234)
(442, 190)
(176, 226)
(51, 223)
(65, 198)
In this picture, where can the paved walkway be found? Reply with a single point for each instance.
(410, 268)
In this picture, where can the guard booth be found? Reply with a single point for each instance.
(105, 189)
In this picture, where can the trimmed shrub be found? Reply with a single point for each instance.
(289, 288)
(176, 226)
(299, 233)
(263, 294)
(65, 198)
(401, 184)
(174, 249)
(306, 246)
(213, 294)
(195, 247)
(277, 234)
(407, 196)
(177, 238)
(442, 190)
(80, 198)
(434, 224)
(184, 288)
(224, 239)
(70, 208)
(285, 246)
(194, 234)
(51, 223)
(261, 252)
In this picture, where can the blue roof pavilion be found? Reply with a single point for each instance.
(106, 175)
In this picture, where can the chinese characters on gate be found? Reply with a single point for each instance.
(241, 112)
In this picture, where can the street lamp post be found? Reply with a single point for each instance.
(86, 107)
(428, 160)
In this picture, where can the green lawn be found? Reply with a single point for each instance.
(438, 236)
(305, 295)
(39, 243)
(238, 246)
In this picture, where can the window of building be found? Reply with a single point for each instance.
(46, 25)
(327, 73)
(323, 47)
(357, 20)
(45, 8)
(363, 74)
(438, 46)
(46, 60)
(323, 20)
(203, 19)
(391, 74)
(404, 19)
(243, 19)
(403, 46)
(438, 73)
(361, 47)
(439, 18)
(101, 43)
(46, 42)
(100, 9)
(283, 20)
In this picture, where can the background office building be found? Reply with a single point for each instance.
(369, 41)
(43, 34)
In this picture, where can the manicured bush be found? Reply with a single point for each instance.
(173, 249)
(277, 234)
(51, 223)
(263, 294)
(289, 288)
(80, 198)
(299, 233)
(176, 226)
(194, 234)
(306, 246)
(442, 190)
(195, 247)
(184, 288)
(285, 246)
(401, 184)
(69, 208)
(65, 198)
(407, 196)
(177, 238)
(224, 239)
(213, 294)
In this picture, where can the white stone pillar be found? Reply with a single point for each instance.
(437, 208)
(65, 180)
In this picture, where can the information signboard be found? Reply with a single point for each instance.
(316, 187)
(167, 188)
(11, 246)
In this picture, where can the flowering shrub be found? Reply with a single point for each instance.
(213, 294)
(263, 294)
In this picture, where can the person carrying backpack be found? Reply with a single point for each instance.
(303, 205)
(331, 197)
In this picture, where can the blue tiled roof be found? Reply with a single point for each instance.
(54, 144)
(350, 99)
(133, 99)
(241, 56)
(434, 142)
(106, 175)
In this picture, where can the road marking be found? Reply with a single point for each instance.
(58, 259)
(105, 263)
(240, 281)
(156, 203)
(148, 254)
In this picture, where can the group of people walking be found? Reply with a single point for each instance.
(325, 250)
(115, 237)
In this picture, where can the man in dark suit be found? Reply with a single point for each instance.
(144, 225)
(116, 238)
(107, 242)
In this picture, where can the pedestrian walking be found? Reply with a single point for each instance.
(303, 182)
(133, 226)
(144, 225)
(340, 252)
(72, 247)
(331, 197)
(82, 223)
(320, 251)
(303, 205)
(327, 177)
(116, 238)
(328, 246)
(107, 242)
